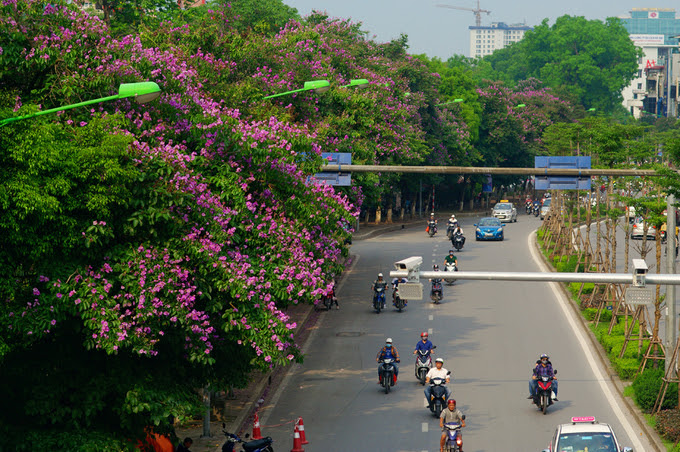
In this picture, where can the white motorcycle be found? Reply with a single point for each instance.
(450, 267)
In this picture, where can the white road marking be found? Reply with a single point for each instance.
(606, 390)
(425, 404)
(430, 317)
(425, 427)
(429, 331)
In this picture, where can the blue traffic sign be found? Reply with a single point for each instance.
(562, 182)
(339, 179)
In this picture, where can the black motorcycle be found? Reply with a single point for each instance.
(543, 395)
(537, 209)
(387, 378)
(529, 207)
(436, 294)
(431, 228)
(437, 400)
(458, 240)
(256, 445)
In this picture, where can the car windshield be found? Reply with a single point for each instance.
(598, 441)
(489, 222)
(546, 203)
(503, 206)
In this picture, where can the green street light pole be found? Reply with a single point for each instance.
(454, 101)
(358, 82)
(142, 92)
(318, 86)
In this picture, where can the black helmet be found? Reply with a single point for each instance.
(435, 267)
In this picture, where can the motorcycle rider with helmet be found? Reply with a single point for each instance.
(424, 345)
(388, 351)
(449, 414)
(433, 222)
(451, 259)
(437, 372)
(542, 368)
(379, 283)
(434, 281)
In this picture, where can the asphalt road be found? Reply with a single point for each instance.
(489, 333)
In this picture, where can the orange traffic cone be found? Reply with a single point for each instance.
(257, 434)
(301, 429)
(297, 443)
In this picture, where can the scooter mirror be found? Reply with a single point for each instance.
(434, 347)
(224, 425)
(463, 417)
(555, 371)
(448, 373)
(247, 435)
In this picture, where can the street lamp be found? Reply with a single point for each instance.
(454, 101)
(142, 92)
(358, 82)
(318, 86)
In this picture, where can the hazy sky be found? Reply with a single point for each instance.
(444, 32)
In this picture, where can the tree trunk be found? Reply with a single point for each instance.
(390, 206)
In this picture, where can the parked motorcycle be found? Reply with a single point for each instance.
(438, 395)
(451, 267)
(454, 439)
(379, 299)
(423, 365)
(431, 228)
(388, 376)
(399, 303)
(458, 241)
(257, 445)
(543, 395)
(436, 293)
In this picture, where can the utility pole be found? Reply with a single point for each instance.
(671, 323)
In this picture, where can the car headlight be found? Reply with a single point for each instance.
(478, 230)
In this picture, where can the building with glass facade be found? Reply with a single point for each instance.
(654, 90)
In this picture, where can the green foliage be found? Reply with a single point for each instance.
(262, 16)
(589, 59)
(647, 386)
(590, 314)
(625, 367)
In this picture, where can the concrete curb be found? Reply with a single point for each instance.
(652, 436)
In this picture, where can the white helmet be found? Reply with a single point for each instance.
(439, 360)
(380, 275)
(388, 340)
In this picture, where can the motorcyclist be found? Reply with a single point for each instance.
(434, 281)
(451, 223)
(395, 284)
(388, 351)
(449, 414)
(542, 368)
(379, 283)
(451, 259)
(438, 371)
(432, 222)
(424, 345)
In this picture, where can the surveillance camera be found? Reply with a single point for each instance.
(410, 263)
(639, 272)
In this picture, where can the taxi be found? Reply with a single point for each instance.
(505, 211)
(585, 434)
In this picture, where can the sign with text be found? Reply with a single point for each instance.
(562, 182)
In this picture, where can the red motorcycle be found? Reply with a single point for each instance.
(543, 395)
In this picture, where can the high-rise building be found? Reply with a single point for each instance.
(485, 39)
(655, 88)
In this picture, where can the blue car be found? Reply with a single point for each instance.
(489, 228)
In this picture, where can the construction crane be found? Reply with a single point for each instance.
(476, 11)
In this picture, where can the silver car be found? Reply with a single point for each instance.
(545, 208)
(505, 211)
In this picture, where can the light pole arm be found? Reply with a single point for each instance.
(54, 110)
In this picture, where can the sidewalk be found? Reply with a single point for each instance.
(238, 411)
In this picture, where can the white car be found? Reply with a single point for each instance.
(638, 230)
(545, 208)
(505, 211)
(585, 433)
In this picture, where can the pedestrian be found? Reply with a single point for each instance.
(185, 445)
